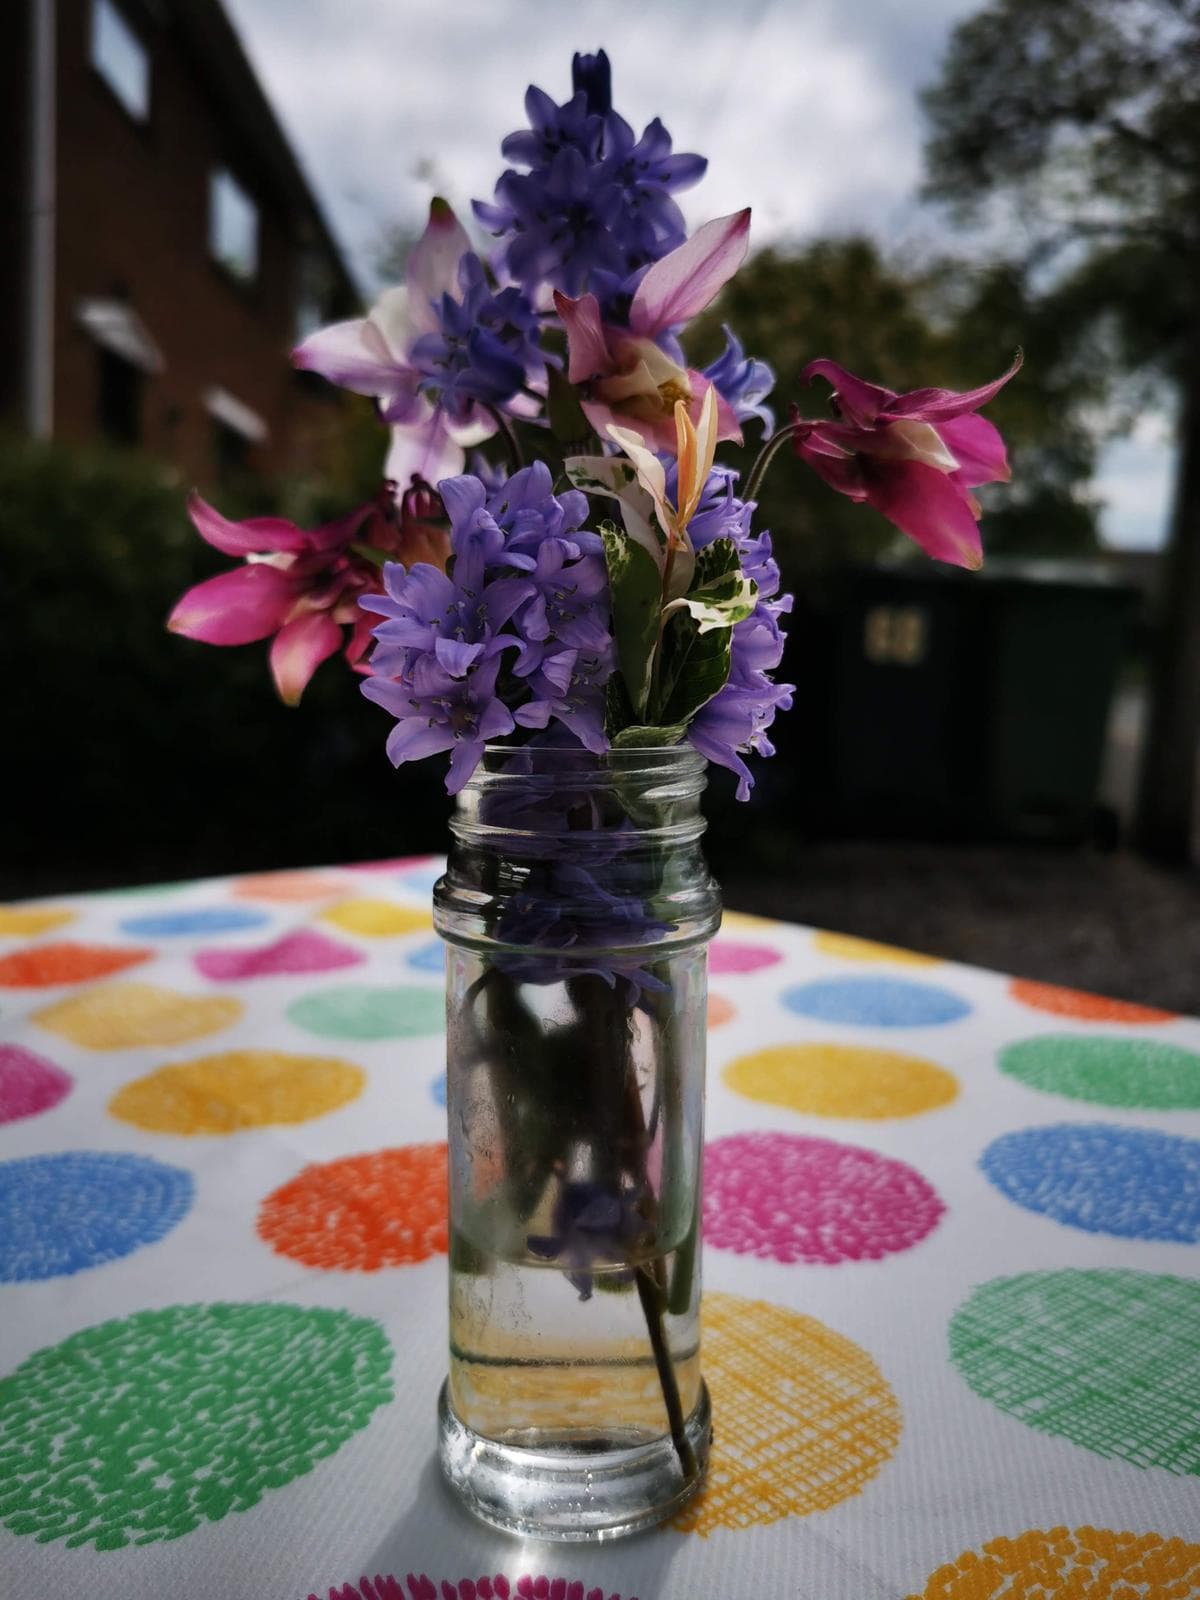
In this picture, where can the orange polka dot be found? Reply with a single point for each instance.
(360, 1213)
(1078, 1003)
(1082, 1563)
(48, 964)
(719, 1010)
(805, 1418)
(288, 886)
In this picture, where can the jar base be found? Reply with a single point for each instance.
(570, 1492)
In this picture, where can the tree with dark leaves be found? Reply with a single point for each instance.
(1073, 126)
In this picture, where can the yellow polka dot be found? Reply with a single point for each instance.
(129, 1016)
(1082, 1563)
(848, 948)
(239, 1089)
(805, 1419)
(377, 919)
(838, 1080)
(24, 922)
(744, 922)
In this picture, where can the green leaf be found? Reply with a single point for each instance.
(694, 666)
(372, 553)
(567, 421)
(720, 594)
(641, 737)
(618, 713)
(635, 588)
(716, 560)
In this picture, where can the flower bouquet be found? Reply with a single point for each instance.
(581, 613)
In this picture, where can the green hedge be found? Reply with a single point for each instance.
(131, 754)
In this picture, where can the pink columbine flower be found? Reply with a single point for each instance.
(304, 586)
(370, 355)
(915, 457)
(625, 376)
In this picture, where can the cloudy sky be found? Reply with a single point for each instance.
(806, 110)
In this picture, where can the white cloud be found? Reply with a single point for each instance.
(802, 117)
(806, 111)
(1134, 484)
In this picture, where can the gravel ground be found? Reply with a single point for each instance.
(1109, 923)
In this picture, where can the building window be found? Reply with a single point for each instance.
(121, 58)
(232, 226)
(118, 398)
(236, 430)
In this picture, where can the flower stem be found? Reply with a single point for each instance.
(512, 445)
(765, 456)
(650, 1293)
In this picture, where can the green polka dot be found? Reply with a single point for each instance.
(1143, 1073)
(1108, 1360)
(140, 1429)
(357, 1011)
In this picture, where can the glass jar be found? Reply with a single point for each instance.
(576, 907)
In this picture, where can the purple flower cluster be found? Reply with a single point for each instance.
(594, 208)
(736, 719)
(597, 1223)
(485, 349)
(515, 633)
(742, 380)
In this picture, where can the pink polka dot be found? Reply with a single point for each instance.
(28, 1084)
(786, 1197)
(304, 951)
(728, 955)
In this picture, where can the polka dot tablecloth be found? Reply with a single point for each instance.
(952, 1309)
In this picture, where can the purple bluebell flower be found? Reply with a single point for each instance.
(524, 578)
(591, 76)
(572, 921)
(568, 685)
(743, 381)
(528, 511)
(735, 720)
(597, 1224)
(429, 613)
(436, 711)
(596, 200)
(485, 348)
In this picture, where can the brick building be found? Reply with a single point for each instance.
(160, 247)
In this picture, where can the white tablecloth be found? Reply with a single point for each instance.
(952, 1309)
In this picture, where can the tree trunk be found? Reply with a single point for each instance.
(1167, 787)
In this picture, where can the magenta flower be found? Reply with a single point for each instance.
(915, 457)
(624, 374)
(302, 587)
(374, 355)
(418, 1586)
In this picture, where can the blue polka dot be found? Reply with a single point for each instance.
(876, 1002)
(438, 1089)
(429, 957)
(1130, 1182)
(422, 879)
(62, 1213)
(200, 919)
